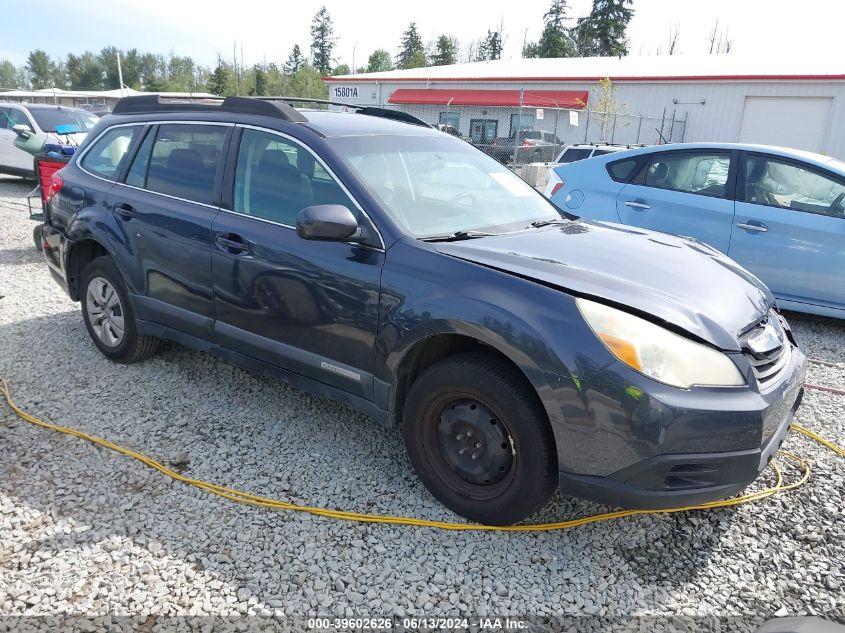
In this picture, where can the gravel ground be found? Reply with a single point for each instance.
(85, 531)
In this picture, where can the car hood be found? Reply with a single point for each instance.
(676, 280)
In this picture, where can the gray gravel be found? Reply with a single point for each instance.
(86, 531)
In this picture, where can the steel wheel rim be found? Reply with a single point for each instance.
(105, 312)
(458, 423)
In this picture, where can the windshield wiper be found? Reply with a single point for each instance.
(457, 236)
(536, 224)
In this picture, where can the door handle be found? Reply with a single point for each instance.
(125, 211)
(232, 243)
(759, 228)
(637, 204)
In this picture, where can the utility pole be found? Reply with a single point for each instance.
(119, 73)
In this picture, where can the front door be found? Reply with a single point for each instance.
(687, 193)
(790, 229)
(309, 307)
(165, 207)
(10, 156)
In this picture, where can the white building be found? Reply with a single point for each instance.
(90, 99)
(788, 102)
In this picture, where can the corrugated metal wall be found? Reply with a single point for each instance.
(718, 119)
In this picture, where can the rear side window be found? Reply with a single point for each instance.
(574, 153)
(184, 161)
(107, 154)
(704, 173)
(276, 178)
(621, 170)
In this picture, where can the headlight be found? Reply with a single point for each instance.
(657, 352)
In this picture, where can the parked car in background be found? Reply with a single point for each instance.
(580, 151)
(36, 124)
(403, 272)
(778, 212)
(449, 129)
(531, 146)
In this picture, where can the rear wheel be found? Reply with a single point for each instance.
(108, 314)
(479, 439)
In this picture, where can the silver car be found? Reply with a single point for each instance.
(33, 125)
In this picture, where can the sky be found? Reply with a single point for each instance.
(268, 30)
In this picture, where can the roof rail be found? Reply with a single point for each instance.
(153, 104)
(384, 113)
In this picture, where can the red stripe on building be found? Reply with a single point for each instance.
(528, 98)
(615, 79)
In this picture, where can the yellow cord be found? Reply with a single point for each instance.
(241, 496)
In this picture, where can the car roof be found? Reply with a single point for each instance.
(40, 106)
(329, 123)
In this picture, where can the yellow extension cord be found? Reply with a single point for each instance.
(264, 502)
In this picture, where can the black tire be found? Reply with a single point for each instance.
(132, 347)
(36, 237)
(522, 477)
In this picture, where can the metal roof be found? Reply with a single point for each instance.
(630, 68)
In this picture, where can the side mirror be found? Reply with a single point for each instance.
(22, 130)
(328, 223)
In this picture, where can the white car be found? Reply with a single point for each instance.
(39, 123)
(580, 151)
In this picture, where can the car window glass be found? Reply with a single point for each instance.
(106, 156)
(137, 175)
(48, 119)
(601, 152)
(704, 173)
(275, 179)
(621, 170)
(573, 153)
(13, 117)
(781, 184)
(184, 161)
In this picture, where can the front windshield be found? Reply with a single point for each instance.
(435, 185)
(49, 118)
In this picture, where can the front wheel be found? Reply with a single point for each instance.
(479, 439)
(108, 314)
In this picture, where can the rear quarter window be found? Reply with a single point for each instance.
(622, 170)
(108, 153)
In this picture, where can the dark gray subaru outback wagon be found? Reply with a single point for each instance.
(371, 259)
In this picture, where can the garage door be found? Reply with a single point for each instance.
(799, 122)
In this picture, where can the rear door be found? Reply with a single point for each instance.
(684, 192)
(307, 306)
(10, 156)
(164, 208)
(790, 228)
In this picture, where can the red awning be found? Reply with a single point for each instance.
(458, 97)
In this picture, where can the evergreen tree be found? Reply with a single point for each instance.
(40, 69)
(555, 41)
(322, 41)
(445, 51)
(131, 64)
(222, 80)
(84, 71)
(107, 59)
(342, 69)
(379, 61)
(259, 81)
(296, 60)
(307, 82)
(8, 75)
(411, 49)
(493, 44)
(602, 32)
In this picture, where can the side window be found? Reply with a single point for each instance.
(17, 117)
(778, 183)
(620, 170)
(704, 173)
(276, 178)
(137, 175)
(184, 161)
(106, 155)
(574, 153)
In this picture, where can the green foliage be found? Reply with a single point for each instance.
(307, 82)
(222, 79)
(602, 32)
(411, 49)
(259, 81)
(107, 59)
(8, 75)
(493, 44)
(379, 61)
(296, 60)
(130, 61)
(84, 72)
(342, 69)
(445, 51)
(40, 69)
(322, 41)
(556, 40)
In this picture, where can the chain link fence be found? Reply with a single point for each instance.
(517, 136)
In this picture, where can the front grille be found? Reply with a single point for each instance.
(767, 348)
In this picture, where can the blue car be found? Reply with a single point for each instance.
(778, 212)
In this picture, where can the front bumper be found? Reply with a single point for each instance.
(677, 448)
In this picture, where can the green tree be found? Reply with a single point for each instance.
(494, 45)
(153, 71)
(259, 81)
(308, 82)
(602, 32)
(379, 61)
(131, 64)
(556, 40)
(180, 74)
(342, 69)
(58, 74)
(84, 71)
(322, 41)
(8, 75)
(107, 59)
(445, 51)
(222, 79)
(40, 69)
(411, 49)
(296, 60)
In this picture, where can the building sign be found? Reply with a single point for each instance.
(344, 92)
(539, 116)
(573, 118)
